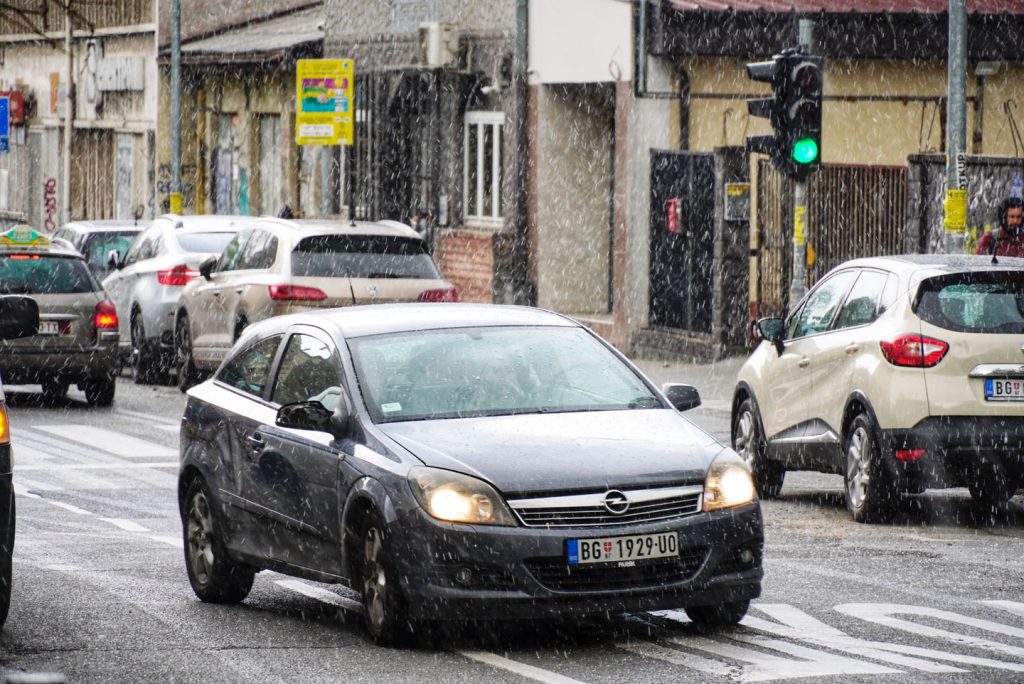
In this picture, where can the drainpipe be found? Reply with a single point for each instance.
(522, 291)
(640, 56)
(69, 116)
(176, 199)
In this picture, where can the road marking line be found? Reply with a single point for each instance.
(22, 491)
(126, 525)
(521, 669)
(35, 485)
(96, 466)
(68, 507)
(675, 657)
(321, 595)
(176, 542)
(154, 420)
(1014, 607)
(116, 443)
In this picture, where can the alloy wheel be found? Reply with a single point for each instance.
(200, 542)
(858, 466)
(374, 579)
(746, 438)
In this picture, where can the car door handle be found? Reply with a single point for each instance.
(216, 294)
(852, 348)
(804, 362)
(255, 441)
(239, 290)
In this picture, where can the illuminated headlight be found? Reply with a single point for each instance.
(454, 497)
(728, 483)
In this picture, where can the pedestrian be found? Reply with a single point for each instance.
(1009, 241)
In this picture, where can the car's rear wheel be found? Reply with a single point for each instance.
(748, 441)
(721, 615)
(214, 576)
(188, 375)
(100, 391)
(871, 494)
(54, 389)
(383, 603)
(144, 370)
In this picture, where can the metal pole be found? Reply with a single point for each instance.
(176, 199)
(798, 286)
(955, 206)
(325, 181)
(69, 116)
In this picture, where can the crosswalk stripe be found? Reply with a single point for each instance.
(109, 441)
(97, 466)
(126, 525)
(521, 669)
(68, 507)
(34, 485)
(176, 542)
(321, 595)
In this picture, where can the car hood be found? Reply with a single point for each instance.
(567, 451)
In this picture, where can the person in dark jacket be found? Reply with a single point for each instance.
(1010, 239)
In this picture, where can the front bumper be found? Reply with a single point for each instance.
(72, 364)
(955, 447)
(520, 572)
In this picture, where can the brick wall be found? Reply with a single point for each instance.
(466, 258)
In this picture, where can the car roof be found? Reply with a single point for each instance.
(924, 265)
(212, 223)
(106, 226)
(308, 227)
(377, 319)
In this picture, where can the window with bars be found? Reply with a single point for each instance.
(482, 145)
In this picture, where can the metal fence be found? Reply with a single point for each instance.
(852, 211)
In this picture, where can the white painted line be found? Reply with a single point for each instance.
(1012, 606)
(176, 542)
(168, 428)
(22, 491)
(319, 594)
(96, 466)
(154, 420)
(521, 669)
(35, 485)
(68, 507)
(126, 525)
(112, 442)
(669, 655)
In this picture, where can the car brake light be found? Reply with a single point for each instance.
(176, 276)
(105, 317)
(296, 293)
(443, 294)
(914, 350)
(5, 433)
(909, 454)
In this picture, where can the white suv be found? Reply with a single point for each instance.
(901, 373)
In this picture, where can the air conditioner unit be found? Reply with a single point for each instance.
(439, 45)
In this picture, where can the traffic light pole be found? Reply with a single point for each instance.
(798, 285)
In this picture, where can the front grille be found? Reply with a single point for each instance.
(588, 510)
(556, 575)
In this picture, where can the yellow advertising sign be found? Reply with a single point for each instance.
(324, 112)
(800, 226)
(955, 209)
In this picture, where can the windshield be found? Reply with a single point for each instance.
(99, 245)
(204, 242)
(363, 256)
(44, 274)
(980, 302)
(492, 371)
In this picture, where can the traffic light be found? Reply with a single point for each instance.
(794, 110)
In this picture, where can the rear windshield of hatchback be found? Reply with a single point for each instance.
(204, 242)
(362, 256)
(44, 274)
(983, 302)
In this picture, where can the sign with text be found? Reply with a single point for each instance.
(5, 124)
(323, 102)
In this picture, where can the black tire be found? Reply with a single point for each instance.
(871, 494)
(748, 441)
(100, 391)
(991, 487)
(214, 576)
(143, 363)
(384, 613)
(721, 615)
(7, 569)
(53, 389)
(188, 375)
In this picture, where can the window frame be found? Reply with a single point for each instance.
(477, 121)
(271, 367)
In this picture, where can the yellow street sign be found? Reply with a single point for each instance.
(324, 112)
(955, 209)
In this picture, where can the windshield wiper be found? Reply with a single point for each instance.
(644, 403)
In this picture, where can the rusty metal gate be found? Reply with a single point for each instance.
(852, 211)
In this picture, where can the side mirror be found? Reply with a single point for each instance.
(113, 260)
(771, 329)
(19, 317)
(312, 415)
(206, 267)
(682, 397)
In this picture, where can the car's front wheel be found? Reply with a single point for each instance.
(383, 603)
(721, 615)
(214, 576)
(871, 494)
(748, 441)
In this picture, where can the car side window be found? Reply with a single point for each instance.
(142, 247)
(249, 370)
(861, 306)
(820, 308)
(231, 255)
(259, 252)
(308, 372)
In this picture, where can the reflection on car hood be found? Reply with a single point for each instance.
(567, 451)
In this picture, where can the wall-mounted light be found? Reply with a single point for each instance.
(986, 68)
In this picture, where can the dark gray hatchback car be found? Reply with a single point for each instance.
(456, 460)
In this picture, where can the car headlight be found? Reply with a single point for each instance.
(728, 483)
(454, 497)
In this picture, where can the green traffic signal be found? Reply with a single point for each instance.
(805, 150)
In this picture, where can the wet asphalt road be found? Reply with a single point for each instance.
(101, 594)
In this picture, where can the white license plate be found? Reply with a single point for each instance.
(1000, 389)
(630, 548)
(49, 328)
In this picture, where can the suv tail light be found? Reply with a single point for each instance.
(442, 294)
(5, 431)
(105, 317)
(914, 350)
(296, 293)
(177, 276)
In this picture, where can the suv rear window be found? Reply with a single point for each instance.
(983, 302)
(204, 242)
(363, 256)
(44, 274)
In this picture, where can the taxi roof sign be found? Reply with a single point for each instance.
(24, 237)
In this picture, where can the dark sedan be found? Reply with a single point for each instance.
(461, 461)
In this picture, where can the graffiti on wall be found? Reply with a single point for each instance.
(50, 204)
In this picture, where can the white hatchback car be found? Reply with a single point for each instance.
(901, 373)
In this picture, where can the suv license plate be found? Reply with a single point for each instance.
(630, 548)
(1004, 390)
(49, 328)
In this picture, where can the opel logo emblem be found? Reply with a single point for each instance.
(616, 502)
(371, 290)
